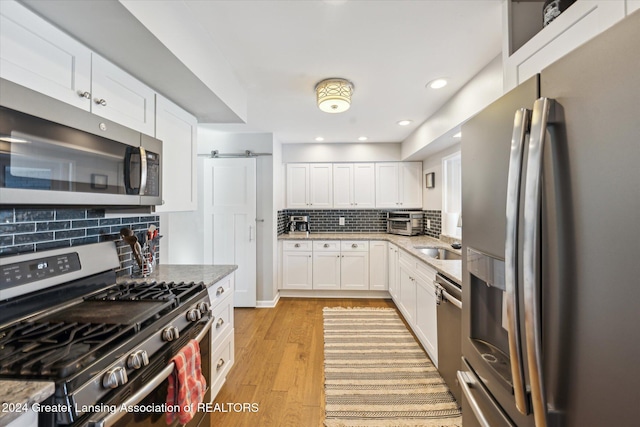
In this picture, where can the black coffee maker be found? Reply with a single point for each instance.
(298, 225)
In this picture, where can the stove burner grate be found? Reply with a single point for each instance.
(56, 349)
(153, 291)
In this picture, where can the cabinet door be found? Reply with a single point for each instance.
(298, 185)
(354, 270)
(343, 185)
(177, 129)
(35, 54)
(364, 188)
(407, 293)
(393, 272)
(297, 270)
(326, 270)
(410, 175)
(321, 185)
(378, 266)
(387, 185)
(118, 96)
(426, 318)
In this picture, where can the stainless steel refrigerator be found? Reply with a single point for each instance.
(551, 244)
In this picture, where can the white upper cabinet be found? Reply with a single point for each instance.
(178, 131)
(529, 48)
(399, 185)
(37, 55)
(309, 185)
(321, 185)
(117, 96)
(353, 185)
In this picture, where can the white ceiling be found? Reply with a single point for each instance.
(389, 49)
(279, 50)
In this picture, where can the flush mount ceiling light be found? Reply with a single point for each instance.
(404, 122)
(334, 95)
(437, 83)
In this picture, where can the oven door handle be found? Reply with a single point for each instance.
(398, 219)
(108, 419)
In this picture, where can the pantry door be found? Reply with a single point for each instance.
(229, 204)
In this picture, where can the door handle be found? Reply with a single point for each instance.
(520, 128)
(532, 323)
(250, 233)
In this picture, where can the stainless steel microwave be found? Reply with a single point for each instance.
(76, 159)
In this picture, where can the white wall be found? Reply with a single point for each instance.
(484, 88)
(329, 153)
(432, 197)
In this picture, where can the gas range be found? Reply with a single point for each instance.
(98, 340)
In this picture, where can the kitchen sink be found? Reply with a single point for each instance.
(438, 253)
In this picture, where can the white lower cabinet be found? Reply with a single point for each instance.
(414, 294)
(354, 270)
(378, 266)
(297, 265)
(393, 278)
(326, 266)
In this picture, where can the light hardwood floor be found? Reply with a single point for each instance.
(279, 364)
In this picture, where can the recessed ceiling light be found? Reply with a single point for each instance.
(458, 135)
(362, 138)
(404, 122)
(319, 139)
(437, 83)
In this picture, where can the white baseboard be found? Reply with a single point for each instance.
(268, 304)
(293, 293)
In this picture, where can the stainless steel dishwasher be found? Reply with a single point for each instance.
(449, 300)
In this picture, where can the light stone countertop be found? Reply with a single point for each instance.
(29, 392)
(450, 268)
(21, 393)
(207, 274)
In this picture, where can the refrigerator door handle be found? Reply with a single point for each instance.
(532, 319)
(520, 129)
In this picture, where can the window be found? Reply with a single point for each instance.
(451, 194)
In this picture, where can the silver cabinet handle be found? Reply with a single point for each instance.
(297, 245)
(354, 245)
(220, 291)
(520, 128)
(84, 94)
(326, 245)
(220, 364)
(532, 326)
(219, 323)
(101, 101)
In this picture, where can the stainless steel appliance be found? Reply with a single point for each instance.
(406, 223)
(449, 312)
(550, 198)
(103, 344)
(299, 225)
(53, 153)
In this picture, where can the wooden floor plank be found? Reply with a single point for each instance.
(279, 363)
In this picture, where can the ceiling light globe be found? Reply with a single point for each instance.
(334, 95)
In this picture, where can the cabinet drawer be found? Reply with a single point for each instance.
(223, 315)
(221, 362)
(354, 246)
(326, 246)
(220, 289)
(294, 245)
(427, 273)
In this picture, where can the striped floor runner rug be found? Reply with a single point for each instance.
(376, 374)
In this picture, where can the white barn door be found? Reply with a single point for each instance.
(229, 207)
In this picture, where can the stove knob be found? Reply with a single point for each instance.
(115, 377)
(193, 315)
(204, 307)
(138, 359)
(170, 333)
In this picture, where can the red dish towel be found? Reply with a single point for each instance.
(187, 385)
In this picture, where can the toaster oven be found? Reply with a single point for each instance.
(406, 223)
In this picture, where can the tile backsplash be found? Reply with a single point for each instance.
(33, 230)
(356, 221)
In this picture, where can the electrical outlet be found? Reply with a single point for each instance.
(428, 224)
(341, 221)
